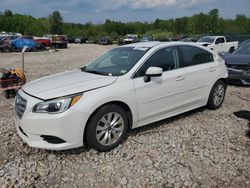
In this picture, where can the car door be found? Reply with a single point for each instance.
(199, 70)
(219, 46)
(162, 94)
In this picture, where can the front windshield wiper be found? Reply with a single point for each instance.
(93, 71)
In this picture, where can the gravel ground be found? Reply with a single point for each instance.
(201, 148)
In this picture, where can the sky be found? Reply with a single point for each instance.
(97, 11)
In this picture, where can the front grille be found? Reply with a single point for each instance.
(20, 106)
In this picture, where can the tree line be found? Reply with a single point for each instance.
(198, 24)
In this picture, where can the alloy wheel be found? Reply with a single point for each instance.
(218, 95)
(109, 128)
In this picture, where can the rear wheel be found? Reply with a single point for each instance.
(217, 95)
(107, 128)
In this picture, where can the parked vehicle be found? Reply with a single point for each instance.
(13, 44)
(169, 39)
(6, 47)
(130, 39)
(80, 40)
(238, 64)
(42, 40)
(19, 43)
(188, 40)
(105, 41)
(71, 39)
(244, 42)
(146, 39)
(59, 41)
(127, 87)
(218, 43)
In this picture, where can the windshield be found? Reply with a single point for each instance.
(116, 62)
(206, 39)
(243, 50)
(245, 42)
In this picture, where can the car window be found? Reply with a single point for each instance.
(194, 56)
(166, 58)
(219, 40)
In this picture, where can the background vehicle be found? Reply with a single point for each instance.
(71, 39)
(146, 39)
(238, 64)
(80, 40)
(130, 39)
(19, 43)
(218, 43)
(188, 40)
(105, 41)
(42, 40)
(244, 42)
(59, 41)
(127, 87)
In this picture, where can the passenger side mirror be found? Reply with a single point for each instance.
(152, 72)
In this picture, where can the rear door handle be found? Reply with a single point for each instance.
(180, 78)
(212, 69)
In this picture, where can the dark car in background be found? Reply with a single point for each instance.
(238, 64)
(189, 39)
(245, 42)
(80, 40)
(105, 41)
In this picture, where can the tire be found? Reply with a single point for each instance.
(217, 95)
(7, 94)
(231, 50)
(107, 128)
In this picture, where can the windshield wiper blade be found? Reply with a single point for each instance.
(93, 71)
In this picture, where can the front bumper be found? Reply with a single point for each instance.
(34, 128)
(237, 76)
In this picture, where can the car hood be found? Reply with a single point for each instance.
(66, 83)
(237, 59)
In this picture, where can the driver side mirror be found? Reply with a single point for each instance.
(152, 72)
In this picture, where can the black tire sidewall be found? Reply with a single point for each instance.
(210, 103)
(90, 134)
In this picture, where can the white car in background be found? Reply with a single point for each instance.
(218, 44)
(127, 87)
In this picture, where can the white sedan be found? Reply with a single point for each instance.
(127, 87)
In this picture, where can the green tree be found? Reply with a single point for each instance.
(56, 23)
(213, 20)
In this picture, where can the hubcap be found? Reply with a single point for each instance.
(109, 129)
(218, 94)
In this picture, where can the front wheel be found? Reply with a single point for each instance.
(107, 128)
(217, 95)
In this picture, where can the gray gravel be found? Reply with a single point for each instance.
(202, 148)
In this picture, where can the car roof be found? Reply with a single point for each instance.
(151, 44)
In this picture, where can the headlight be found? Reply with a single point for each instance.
(57, 105)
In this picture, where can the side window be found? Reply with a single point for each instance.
(219, 40)
(166, 58)
(194, 56)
